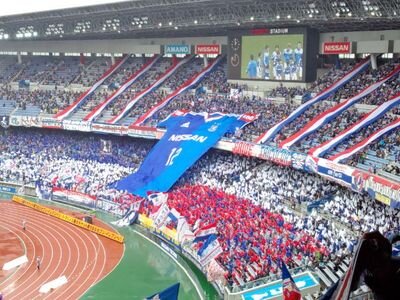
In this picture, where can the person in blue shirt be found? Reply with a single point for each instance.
(288, 54)
(293, 70)
(260, 66)
(266, 58)
(252, 67)
(276, 59)
(298, 58)
(276, 55)
(278, 71)
(287, 72)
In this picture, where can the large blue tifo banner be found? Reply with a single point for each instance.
(188, 137)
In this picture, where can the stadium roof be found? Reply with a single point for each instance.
(155, 18)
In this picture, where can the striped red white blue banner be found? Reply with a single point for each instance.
(274, 130)
(98, 109)
(66, 112)
(330, 114)
(153, 86)
(361, 145)
(184, 87)
(368, 119)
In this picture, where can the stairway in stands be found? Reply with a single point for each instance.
(130, 66)
(180, 78)
(191, 82)
(78, 102)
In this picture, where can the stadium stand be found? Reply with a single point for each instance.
(183, 73)
(8, 69)
(91, 71)
(266, 193)
(109, 86)
(223, 182)
(141, 84)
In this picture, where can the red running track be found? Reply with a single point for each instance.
(82, 256)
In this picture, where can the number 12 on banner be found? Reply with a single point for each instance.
(175, 152)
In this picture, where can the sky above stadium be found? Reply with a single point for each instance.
(16, 7)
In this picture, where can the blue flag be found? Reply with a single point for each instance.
(170, 293)
(210, 239)
(187, 138)
(290, 290)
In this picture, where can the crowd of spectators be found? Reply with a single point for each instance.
(215, 96)
(63, 159)
(217, 82)
(278, 189)
(262, 239)
(328, 78)
(113, 82)
(173, 82)
(60, 71)
(9, 68)
(363, 133)
(223, 188)
(91, 71)
(146, 80)
(287, 92)
(268, 111)
(383, 93)
(353, 87)
(49, 101)
(387, 148)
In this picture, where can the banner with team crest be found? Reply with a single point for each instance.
(188, 137)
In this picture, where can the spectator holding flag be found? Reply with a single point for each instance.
(290, 290)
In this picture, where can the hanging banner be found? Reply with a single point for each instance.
(109, 128)
(381, 189)
(177, 49)
(336, 48)
(188, 137)
(325, 117)
(190, 83)
(371, 117)
(336, 172)
(208, 49)
(77, 125)
(274, 130)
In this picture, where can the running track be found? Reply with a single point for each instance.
(83, 257)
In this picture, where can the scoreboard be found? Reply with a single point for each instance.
(274, 54)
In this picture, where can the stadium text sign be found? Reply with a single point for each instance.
(208, 49)
(336, 48)
(177, 49)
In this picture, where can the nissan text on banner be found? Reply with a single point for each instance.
(336, 48)
(208, 49)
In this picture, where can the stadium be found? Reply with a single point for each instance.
(198, 149)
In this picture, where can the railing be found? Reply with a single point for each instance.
(265, 280)
(363, 296)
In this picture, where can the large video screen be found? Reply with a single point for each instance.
(273, 54)
(273, 57)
